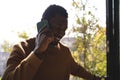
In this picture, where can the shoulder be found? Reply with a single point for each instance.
(64, 47)
(20, 51)
(25, 46)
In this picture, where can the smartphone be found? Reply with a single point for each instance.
(42, 24)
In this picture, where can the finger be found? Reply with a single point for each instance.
(43, 29)
(48, 33)
(45, 38)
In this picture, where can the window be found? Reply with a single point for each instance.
(113, 45)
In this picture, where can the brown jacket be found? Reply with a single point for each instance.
(57, 65)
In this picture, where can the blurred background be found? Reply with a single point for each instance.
(85, 36)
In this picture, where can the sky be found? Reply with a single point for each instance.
(22, 15)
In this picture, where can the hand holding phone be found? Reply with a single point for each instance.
(42, 24)
(44, 38)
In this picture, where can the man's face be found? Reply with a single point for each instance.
(58, 25)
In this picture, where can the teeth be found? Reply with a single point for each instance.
(57, 38)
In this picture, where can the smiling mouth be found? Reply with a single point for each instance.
(57, 38)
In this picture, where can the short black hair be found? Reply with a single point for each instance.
(52, 10)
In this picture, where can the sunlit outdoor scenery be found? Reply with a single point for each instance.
(85, 36)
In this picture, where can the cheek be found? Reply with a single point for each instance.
(58, 35)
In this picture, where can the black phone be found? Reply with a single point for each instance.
(42, 24)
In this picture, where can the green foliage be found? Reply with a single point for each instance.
(90, 45)
(23, 35)
(6, 46)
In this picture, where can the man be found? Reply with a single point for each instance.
(44, 57)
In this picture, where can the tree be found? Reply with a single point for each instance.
(23, 35)
(6, 46)
(90, 45)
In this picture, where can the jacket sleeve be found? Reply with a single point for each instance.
(78, 70)
(21, 67)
